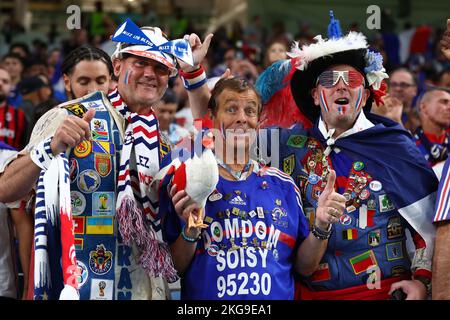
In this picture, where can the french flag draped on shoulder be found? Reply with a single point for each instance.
(391, 157)
(442, 201)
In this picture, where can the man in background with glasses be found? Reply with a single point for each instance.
(402, 85)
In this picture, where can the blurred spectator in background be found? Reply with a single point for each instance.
(228, 58)
(21, 49)
(239, 66)
(39, 49)
(13, 125)
(36, 67)
(86, 69)
(54, 60)
(34, 90)
(431, 137)
(244, 68)
(403, 86)
(443, 78)
(14, 222)
(15, 65)
(165, 112)
(275, 52)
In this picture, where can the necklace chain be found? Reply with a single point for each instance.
(238, 175)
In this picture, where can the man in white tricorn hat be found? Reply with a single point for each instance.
(97, 229)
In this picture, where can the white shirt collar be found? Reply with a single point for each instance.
(361, 123)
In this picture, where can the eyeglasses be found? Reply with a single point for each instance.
(330, 78)
(401, 85)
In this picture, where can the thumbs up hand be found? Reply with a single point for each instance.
(331, 205)
(71, 132)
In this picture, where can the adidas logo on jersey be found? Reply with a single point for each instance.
(238, 200)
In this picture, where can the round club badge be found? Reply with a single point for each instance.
(358, 166)
(375, 185)
(345, 219)
(213, 250)
(83, 149)
(364, 195)
(83, 273)
(347, 196)
(313, 178)
(89, 181)
(100, 260)
(362, 180)
(78, 202)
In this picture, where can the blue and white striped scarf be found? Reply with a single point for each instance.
(137, 206)
(53, 235)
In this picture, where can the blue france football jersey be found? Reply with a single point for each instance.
(247, 251)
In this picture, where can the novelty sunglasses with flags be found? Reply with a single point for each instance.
(151, 42)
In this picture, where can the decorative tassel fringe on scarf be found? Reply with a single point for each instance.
(155, 256)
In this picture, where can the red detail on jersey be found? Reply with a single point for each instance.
(12, 126)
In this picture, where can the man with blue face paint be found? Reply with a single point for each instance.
(334, 86)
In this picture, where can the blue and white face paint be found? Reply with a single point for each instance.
(127, 77)
(359, 101)
(323, 101)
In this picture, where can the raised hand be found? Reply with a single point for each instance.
(392, 108)
(199, 51)
(71, 132)
(331, 205)
(445, 42)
